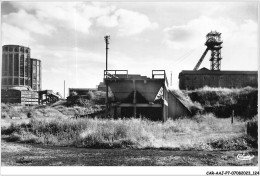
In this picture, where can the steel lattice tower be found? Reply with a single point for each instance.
(213, 43)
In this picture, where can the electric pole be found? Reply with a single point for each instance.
(171, 78)
(107, 37)
(64, 90)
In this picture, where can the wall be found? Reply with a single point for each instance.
(175, 108)
(19, 96)
(230, 79)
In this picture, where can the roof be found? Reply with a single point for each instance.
(82, 89)
(21, 88)
(35, 59)
(16, 46)
(217, 72)
(215, 33)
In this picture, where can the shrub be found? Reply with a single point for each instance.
(193, 106)
(252, 128)
(4, 115)
(223, 101)
(90, 95)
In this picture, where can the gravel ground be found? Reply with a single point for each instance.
(20, 154)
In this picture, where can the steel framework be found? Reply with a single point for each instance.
(213, 43)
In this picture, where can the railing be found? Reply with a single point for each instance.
(115, 74)
(159, 74)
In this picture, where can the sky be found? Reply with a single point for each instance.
(68, 37)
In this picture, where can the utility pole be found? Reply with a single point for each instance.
(64, 90)
(171, 78)
(107, 37)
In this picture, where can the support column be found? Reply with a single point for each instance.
(119, 112)
(18, 53)
(134, 99)
(163, 106)
(106, 100)
(13, 67)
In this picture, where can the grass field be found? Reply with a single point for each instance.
(201, 132)
(56, 127)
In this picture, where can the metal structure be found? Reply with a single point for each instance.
(48, 97)
(136, 95)
(213, 43)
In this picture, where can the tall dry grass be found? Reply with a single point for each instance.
(197, 133)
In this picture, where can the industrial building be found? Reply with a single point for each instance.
(194, 79)
(21, 75)
(36, 74)
(101, 86)
(141, 96)
(80, 91)
(19, 69)
(189, 79)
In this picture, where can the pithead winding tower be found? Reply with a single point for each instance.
(213, 43)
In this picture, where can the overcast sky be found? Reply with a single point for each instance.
(69, 37)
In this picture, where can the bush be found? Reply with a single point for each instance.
(4, 115)
(90, 95)
(223, 101)
(252, 128)
(193, 106)
(238, 143)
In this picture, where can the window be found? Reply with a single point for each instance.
(22, 66)
(5, 65)
(10, 64)
(4, 81)
(16, 81)
(16, 64)
(10, 81)
(21, 81)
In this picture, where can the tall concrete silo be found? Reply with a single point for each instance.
(16, 66)
(36, 74)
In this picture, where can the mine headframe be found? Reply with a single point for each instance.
(213, 43)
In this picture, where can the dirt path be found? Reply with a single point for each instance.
(17, 154)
